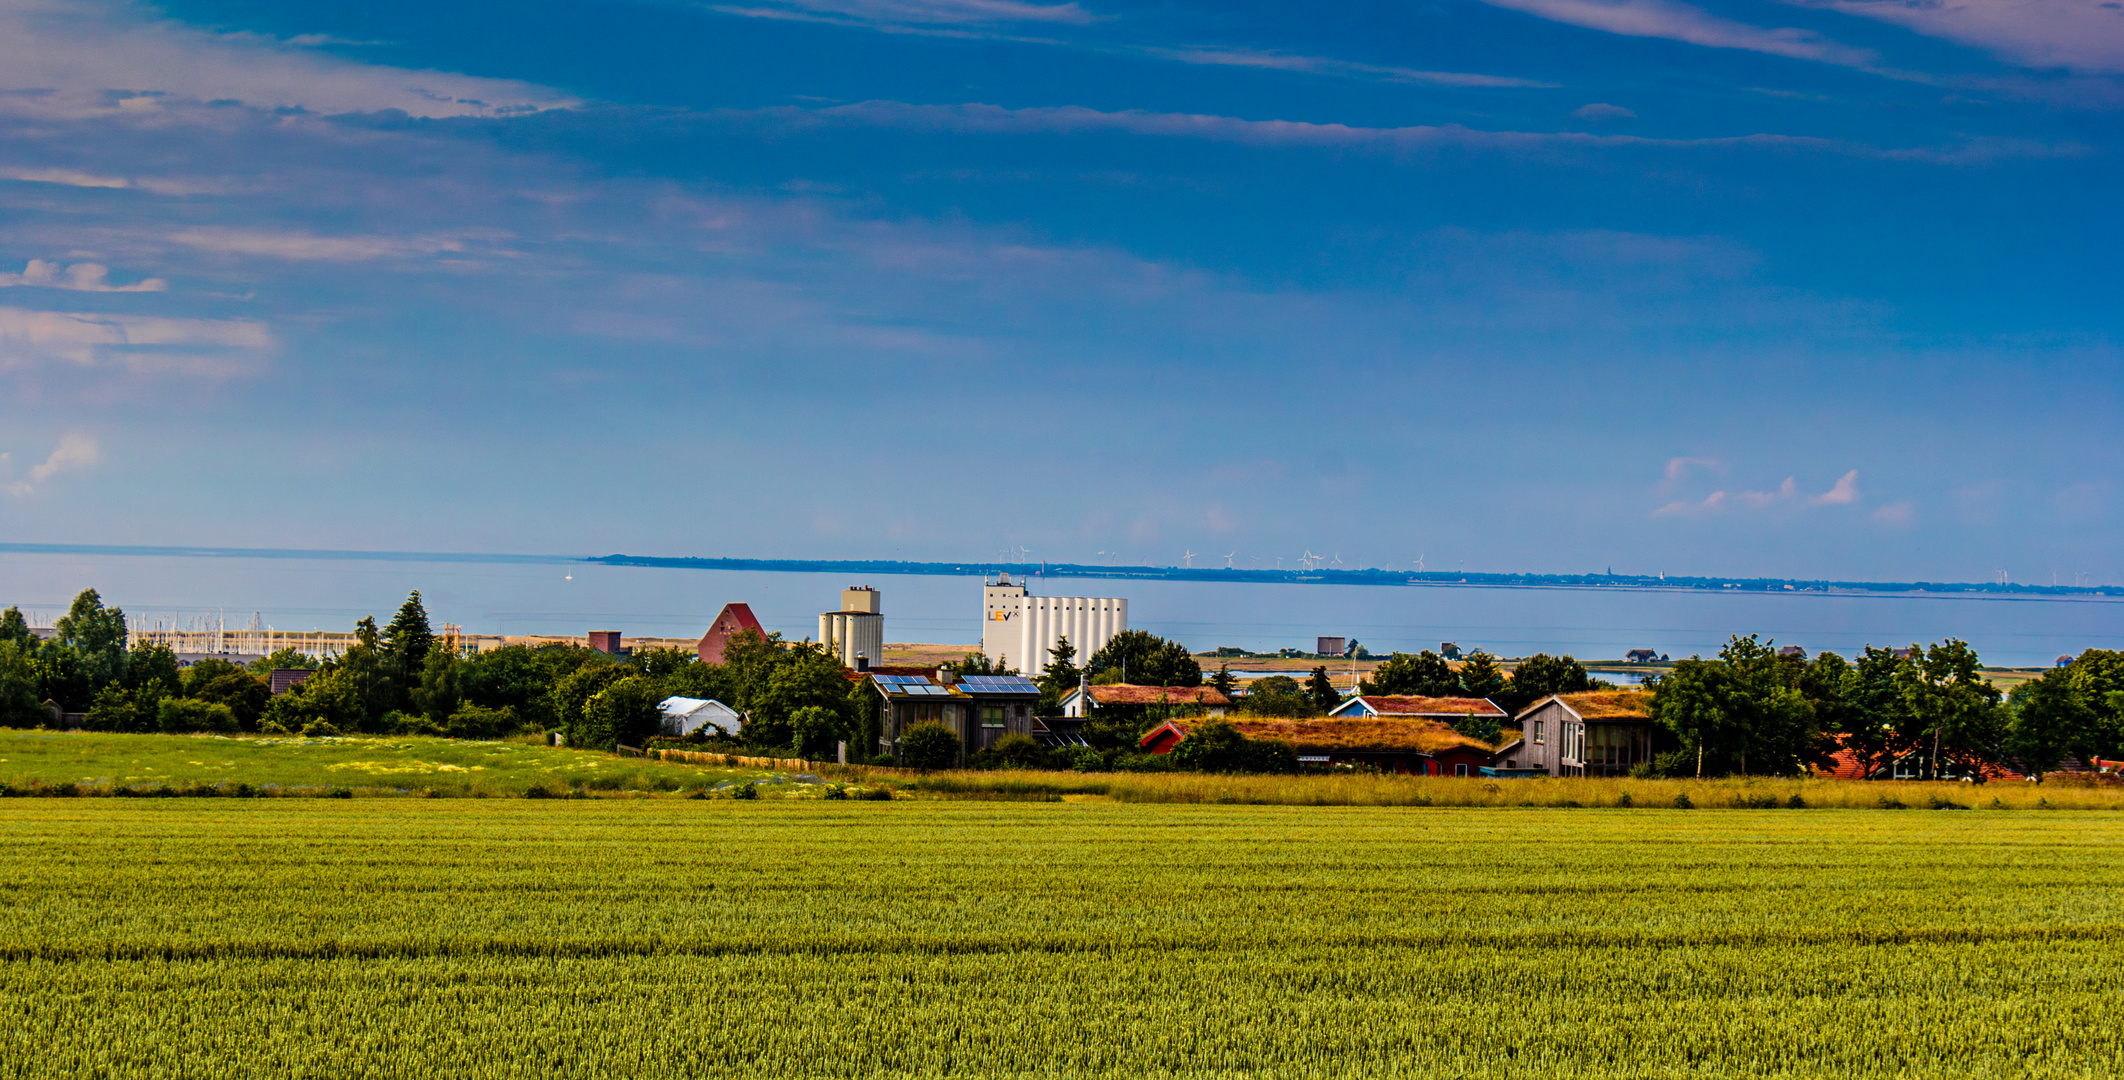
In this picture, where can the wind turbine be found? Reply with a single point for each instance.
(1419, 564)
(1338, 559)
(1228, 558)
(1189, 558)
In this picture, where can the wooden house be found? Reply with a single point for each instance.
(1598, 733)
(1418, 747)
(979, 709)
(1408, 707)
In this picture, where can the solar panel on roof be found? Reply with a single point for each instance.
(1000, 684)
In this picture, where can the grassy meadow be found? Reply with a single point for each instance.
(87, 763)
(665, 938)
(100, 763)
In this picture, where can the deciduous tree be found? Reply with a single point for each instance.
(96, 634)
(1425, 674)
(1145, 659)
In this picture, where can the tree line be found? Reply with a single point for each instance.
(400, 679)
(1924, 712)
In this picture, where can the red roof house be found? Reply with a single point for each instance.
(1163, 738)
(735, 619)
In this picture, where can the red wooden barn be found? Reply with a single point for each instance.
(735, 619)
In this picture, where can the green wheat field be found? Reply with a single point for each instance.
(666, 938)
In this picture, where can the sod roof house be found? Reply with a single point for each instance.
(1409, 707)
(1419, 747)
(1125, 695)
(1598, 733)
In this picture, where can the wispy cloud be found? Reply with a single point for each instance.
(944, 11)
(1601, 110)
(1322, 65)
(978, 118)
(983, 19)
(80, 277)
(2080, 35)
(1898, 514)
(74, 452)
(309, 247)
(1679, 468)
(1843, 493)
(158, 185)
(104, 58)
(138, 342)
(1070, 119)
(69, 177)
(1682, 22)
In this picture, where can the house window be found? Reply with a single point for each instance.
(991, 716)
(1460, 769)
(1537, 731)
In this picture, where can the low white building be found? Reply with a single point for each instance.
(685, 715)
(1018, 630)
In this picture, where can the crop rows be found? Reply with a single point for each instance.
(525, 938)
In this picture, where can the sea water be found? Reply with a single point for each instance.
(562, 597)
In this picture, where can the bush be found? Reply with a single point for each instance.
(1218, 747)
(1019, 752)
(319, 729)
(1082, 759)
(885, 761)
(181, 716)
(815, 732)
(405, 723)
(930, 746)
(746, 790)
(479, 722)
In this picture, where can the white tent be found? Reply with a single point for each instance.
(685, 715)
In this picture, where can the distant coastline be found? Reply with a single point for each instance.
(2011, 590)
(1372, 577)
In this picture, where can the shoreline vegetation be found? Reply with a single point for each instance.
(89, 764)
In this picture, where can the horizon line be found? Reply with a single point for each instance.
(1323, 576)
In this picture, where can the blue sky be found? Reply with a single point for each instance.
(1823, 288)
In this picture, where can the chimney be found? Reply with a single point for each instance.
(944, 676)
(862, 662)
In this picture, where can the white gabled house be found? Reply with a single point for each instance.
(685, 715)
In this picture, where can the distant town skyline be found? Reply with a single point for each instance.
(1721, 289)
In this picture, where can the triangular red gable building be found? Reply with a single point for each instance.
(736, 618)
